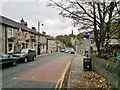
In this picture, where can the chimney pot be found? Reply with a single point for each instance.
(33, 28)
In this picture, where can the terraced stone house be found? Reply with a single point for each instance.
(14, 36)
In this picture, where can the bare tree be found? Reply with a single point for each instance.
(97, 15)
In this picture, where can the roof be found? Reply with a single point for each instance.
(50, 38)
(9, 22)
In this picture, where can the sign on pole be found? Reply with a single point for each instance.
(86, 36)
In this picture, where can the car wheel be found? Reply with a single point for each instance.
(14, 63)
(25, 60)
(33, 58)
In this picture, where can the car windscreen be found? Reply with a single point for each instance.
(24, 51)
(4, 56)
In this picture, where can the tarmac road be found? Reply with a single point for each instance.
(44, 72)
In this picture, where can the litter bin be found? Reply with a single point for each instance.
(87, 64)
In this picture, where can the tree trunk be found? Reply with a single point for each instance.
(96, 36)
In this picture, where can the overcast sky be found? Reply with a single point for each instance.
(33, 11)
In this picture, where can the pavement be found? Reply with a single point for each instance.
(78, 78)
(76, 68)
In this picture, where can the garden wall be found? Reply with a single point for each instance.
(110, 70)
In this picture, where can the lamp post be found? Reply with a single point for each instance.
(39, 37)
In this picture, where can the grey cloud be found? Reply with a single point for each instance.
(33, 12)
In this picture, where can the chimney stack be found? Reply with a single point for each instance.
(23, 22)
(33, 28)
(44, 33)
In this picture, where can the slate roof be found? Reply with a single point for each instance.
(9, 22)
(50, 38)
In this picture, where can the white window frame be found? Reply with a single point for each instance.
(8, 31)
(27, 35)
(12, 47)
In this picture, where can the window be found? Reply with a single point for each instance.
(26, 45)
(10, 33)
(30, 51)
(27, 36)
(92, 41)
(10, 47)
(25, 51)
(4, 56)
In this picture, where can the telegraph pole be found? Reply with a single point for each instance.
(38, 37)
(38, 26)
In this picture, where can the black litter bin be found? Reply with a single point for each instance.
(87, 64)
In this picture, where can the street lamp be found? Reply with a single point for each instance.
(39, 37)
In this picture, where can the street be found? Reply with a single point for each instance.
(60, 44)
(44, 72)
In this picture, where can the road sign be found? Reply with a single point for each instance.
(86, 36)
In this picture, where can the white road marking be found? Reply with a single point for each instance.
(14, 78)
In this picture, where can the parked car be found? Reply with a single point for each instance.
(26, 54)
(62, 50)
(72, 51)
(7, 59)
(67, 51)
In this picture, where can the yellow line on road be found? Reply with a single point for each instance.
(60, 81)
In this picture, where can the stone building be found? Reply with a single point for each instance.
(51, 44)
(14, 36)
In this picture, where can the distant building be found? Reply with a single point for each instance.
(51, 44)
(90, 45)
(59, 45)
(87, 44)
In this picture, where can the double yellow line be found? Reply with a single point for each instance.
(60, 81)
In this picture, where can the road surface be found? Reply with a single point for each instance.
(44, 72)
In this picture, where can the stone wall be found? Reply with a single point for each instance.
(110, 70)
